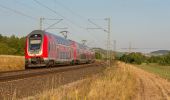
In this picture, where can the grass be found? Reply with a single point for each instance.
(11, 63)
(114, 83)
(163, 71)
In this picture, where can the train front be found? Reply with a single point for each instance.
(35, 49)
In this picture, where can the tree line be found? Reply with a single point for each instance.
(12, 45)
(139, 58)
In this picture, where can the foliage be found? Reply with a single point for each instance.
(162, 60)
(138, 58)
(12, 45)
(135, 58)
(98, 55)
(165, 60)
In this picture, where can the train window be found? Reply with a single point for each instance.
(67, 55)
(36, 37)
(35, 41)
(64, 56)
(59, 41)
(60, 55)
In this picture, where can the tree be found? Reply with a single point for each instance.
(12, 45)
(98, 55)
(135, 58)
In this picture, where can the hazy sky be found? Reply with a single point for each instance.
(144, 23)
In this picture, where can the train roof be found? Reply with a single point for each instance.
(60, 39)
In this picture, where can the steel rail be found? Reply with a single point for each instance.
(14, 75)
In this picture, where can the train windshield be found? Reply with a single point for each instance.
(35, 41)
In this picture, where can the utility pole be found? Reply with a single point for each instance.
(108, 31)
(108, 42)
(41, 23)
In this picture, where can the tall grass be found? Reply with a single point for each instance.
(163, 71)
(117, 83)
(10, 63)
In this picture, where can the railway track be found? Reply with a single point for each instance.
(14, 75)
(31, 82)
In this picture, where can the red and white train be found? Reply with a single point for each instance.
(46, 49)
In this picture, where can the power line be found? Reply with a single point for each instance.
(108, 31)
(24, 4)
(97, 26)
(70, 10)
(74, 13)
(30, 17)
(57, 13)
(18, 12)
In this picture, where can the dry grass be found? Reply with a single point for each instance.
(113, 84)
(10, 63)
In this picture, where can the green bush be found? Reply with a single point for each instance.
(165, 60)
(98, 55)
(138, 58)
(134, 58)
(12, 45)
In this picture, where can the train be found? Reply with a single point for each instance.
(44, 49)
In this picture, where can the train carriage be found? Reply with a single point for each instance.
(46, 49)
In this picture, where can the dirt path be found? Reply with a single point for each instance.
(150, 86)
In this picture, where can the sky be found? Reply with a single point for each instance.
(145, 24)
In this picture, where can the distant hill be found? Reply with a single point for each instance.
(160, 52)
(104, 52)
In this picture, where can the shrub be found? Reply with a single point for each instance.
(135, 58)
(12, 45)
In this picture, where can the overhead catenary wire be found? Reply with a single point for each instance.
(27, 6)
(28, 16)
(69, 10)
(23, 14)
(97, 26)
(57, 13)
(53, 24)
(18, 12)
(76, 14)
